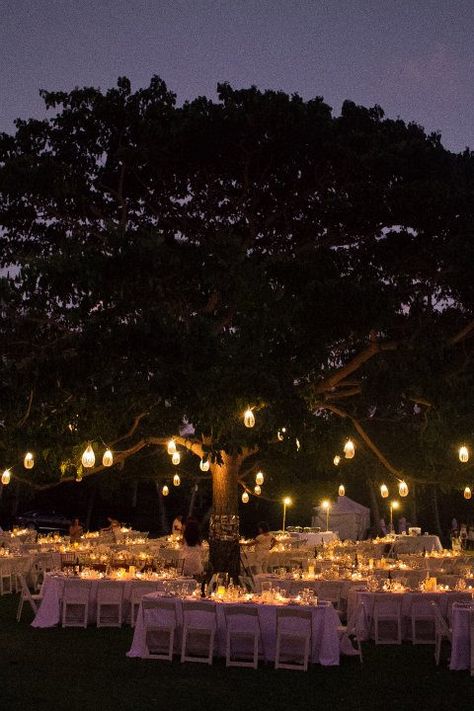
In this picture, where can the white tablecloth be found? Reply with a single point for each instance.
(49, 612)
(461, 647)
(325, 639)
(18, 564)
(417, 544)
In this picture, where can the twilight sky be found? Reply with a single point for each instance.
(413, 57)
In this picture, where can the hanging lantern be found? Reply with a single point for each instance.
(29, 461)
(298, 445)
(403, 488)
(6, 476)
(176, 480)
(88, 457)
(281, 434)
(342, 490)
(257, 490)
(249, 418)
(204, 465)
(384, 491)
(349, 449)
(165, 491)
(171, 447)
(336, 460)
(245, 498)
(463, 454)
(259, 479)
(467, 493)
(176, 458)
(108, 458)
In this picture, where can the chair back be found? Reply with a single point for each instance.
(440, 623)
(387, 604)
(110, 591)
(159, 611)
(76, 591)
(139, 589)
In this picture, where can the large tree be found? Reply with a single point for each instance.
(168, 266)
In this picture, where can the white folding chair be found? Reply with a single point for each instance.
(199, 631)
(242, 625)
(159, 626)
(442, 630)
(27, 596)
(387, 614)
(109, 603)
(471, 638)
(331, 592)
(138, 590)
(293, 641)
(423, 629)
(355, 628)
(76, 603)
(6, 586)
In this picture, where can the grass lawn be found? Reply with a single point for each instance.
(74, 670)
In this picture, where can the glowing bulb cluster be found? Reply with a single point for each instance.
(463, 454)
(29, 461)
(88, 457)
(349, 449)
(249, 418)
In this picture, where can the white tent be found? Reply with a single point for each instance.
(347, 517)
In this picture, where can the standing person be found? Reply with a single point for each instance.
(75, 531)
(463, 535)
(470, 538)
(402, 524)
(113, 523)
(177, 527)
(191, 550)
(264, 542)
(383, 527)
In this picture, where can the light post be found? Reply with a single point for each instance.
(286, 502)
(393, 505)
(326, 505)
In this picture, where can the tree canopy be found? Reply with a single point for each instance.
(167, 264)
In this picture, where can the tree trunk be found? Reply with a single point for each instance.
(434, 501)
(374, 507)
(90, 505)
(413, 507)
(224, 548)
(193, 500)
(164, 528)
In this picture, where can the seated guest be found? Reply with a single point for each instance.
(402, 524)
(177, 527)
(191, 550)
(383, 527)
(75, 531)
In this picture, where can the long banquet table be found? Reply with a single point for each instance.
(325, 640)
(463, 637)
(444, 599)
(49, 612)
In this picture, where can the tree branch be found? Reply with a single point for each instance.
(372, 349)
(462, 334)
(21, 422)
(132, 429)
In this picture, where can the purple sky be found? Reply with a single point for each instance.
(413, 57)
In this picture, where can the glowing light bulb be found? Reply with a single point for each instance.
(171, 447)
(165, 491)
(176, 480)
(257, 490)
(88, 457)
(336, 460)
(108, 458)
(467, 493)
(249, 418)
(383, 491)
(176, 458)
(245, 498)
(342, 490)
(403, 488)
(349, 449)
(204, 465)
(463, 454)
(29, 461)
(6, 476)
(298, 444)
(281, 434)
(259, 479)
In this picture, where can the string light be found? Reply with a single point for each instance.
(249, 418)
(467, 493)
(259, 479)
(349, 449)
(6, 476)
(29, 461)
(463, 454)
(257, 490)
(336, 460)
(298, 445)
(245, 498)
(176, 480)
(165, 491)
(108, 458)
(281, 434)
(403, 488)
(342, 490)
(176, 458)
(384, 491)
(171, 447)
(88, 457)
(204, 465)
